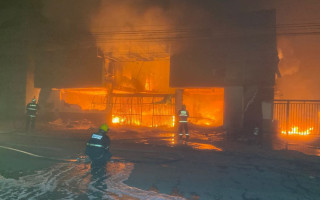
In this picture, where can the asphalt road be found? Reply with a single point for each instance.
(154, 165)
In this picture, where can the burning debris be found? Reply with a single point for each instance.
(297, 117)
(149, 110)
(295, 131)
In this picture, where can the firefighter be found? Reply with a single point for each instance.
(183, 121)
(32, 109)
(98, 149)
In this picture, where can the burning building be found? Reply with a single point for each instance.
(240, 57)
(222, 68)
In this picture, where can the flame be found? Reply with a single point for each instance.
(147, 85)
(173, 120)
(115, 120)
(83, 98)
(205, 106)
(295, 131)
(118, 120)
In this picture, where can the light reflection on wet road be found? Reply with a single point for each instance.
(202, 146)
(307, 145)
(74, 181)
(210, 141)
(196, 141)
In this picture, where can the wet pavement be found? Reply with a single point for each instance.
(75, 181)
(154, 164)
(198, 141)
(309, 145)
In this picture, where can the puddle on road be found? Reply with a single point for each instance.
(202, 142)
(74, 181)
(309, 145)
(303, 148)
(202, 146)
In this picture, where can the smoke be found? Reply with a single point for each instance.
(299, 55)
(122, 27)
(67, 23)
(144, 29)
(299, 69)
(125, 26)
(68, 13)
(287, 66)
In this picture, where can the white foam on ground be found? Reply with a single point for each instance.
(74, 181)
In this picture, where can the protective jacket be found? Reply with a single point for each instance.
(32, 109)
(183, 116)
(98, 146)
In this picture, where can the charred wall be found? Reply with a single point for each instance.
(12, 85)
(66, 55)
(13, 58)
(69, 68)
(51, 39)
(239, 50)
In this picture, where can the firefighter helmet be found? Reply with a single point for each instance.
(104, 127)
(34, 100)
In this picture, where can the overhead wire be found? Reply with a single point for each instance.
(187, 33)
(158, 33)
(146, 34)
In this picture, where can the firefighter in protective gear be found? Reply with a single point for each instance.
(183, 121)
(98, 148)
(31, 112)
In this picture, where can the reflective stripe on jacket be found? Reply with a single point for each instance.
(97, 145)
(183, 116)
(99, 140)
(32, 109)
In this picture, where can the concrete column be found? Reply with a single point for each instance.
(267, 116)
(178, 102)
(233, 109)
(267, 110)
(178, 99)
(31, 91)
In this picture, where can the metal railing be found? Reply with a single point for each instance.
(297, 116)
(151, 110)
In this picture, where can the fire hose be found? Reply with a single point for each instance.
(78, 160)
(86, 159)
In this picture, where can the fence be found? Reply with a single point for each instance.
(297, 117)
(151, 110)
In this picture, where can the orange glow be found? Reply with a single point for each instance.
(140, 65)
(162, 123)
(134, 81)
(295, 131)
(201, 146)
(116, 120)
(144, 110)
(173, 120)
(205, 106)
(172, 139)
(84, 98)
(147, 85)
